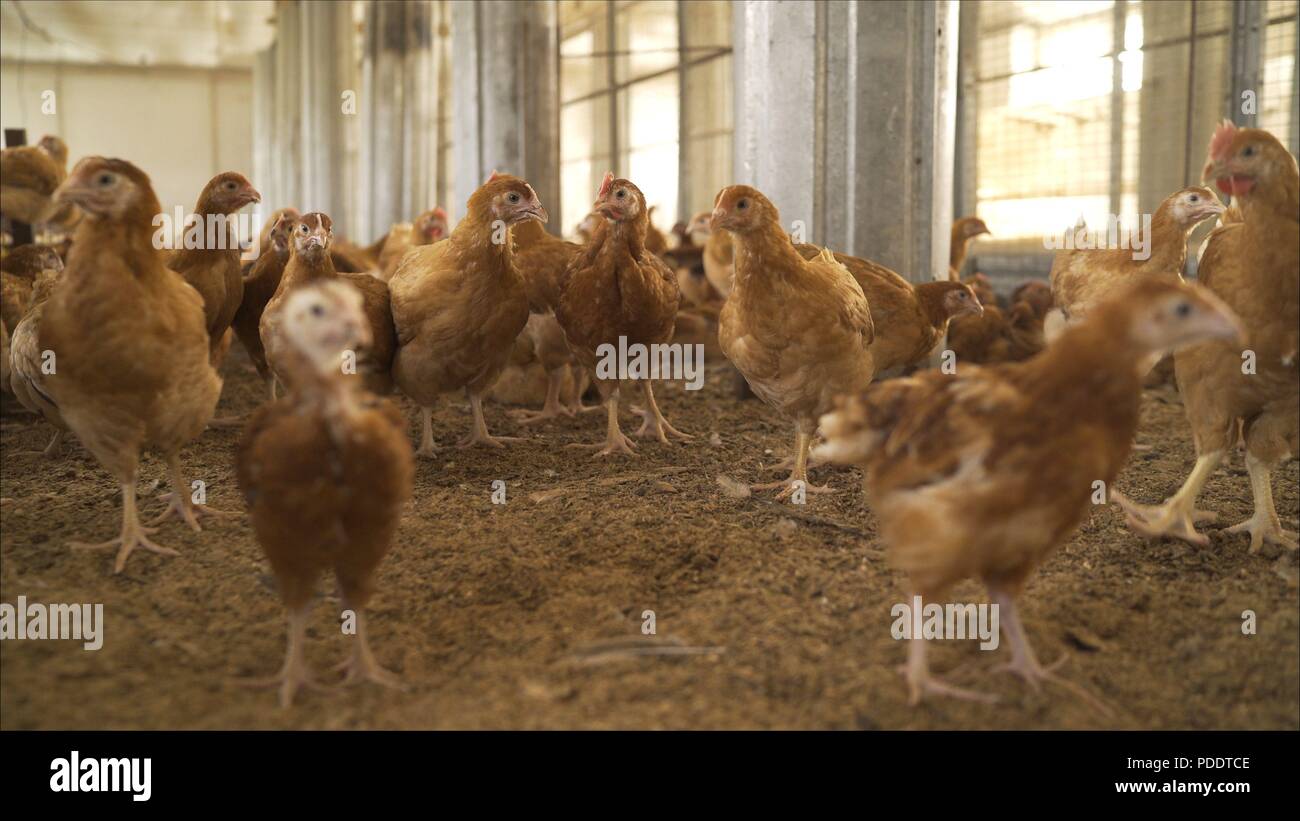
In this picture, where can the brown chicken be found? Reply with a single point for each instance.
(325, 473)
(28, 177)
(459, 305)
(260, 284)
(130, 343)
(1013, 335)
(800, 331)
(18, 272)
(655, 241)
(909, 320)
(542, 260)
(1081, 277)
(718, 258)
(1253, 263)
(428, 228)
(1036, 294)
(617, 293)
(27, 378)
(964, 232)
(310, 261)
(209, 257)
(984, 473)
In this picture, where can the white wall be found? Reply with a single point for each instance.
(181, 125)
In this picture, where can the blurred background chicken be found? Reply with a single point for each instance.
(1253, 263)
(29, 174)
(799, 330)
(27, 377)
(986, 472)
(1081, 277)
(325, 473)
(616, 290)
(964, 232)
(459, 305)
(261, 282)
(310, 261)
(131, 343)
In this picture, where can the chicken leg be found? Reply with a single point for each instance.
(654, 423)
(179, 502)
(478, 432)
(133, 534)
(921, 683)
(295, 674)
(1023, 661)
(1264, 524)
(798, 474)
(426, 449)
(615, 441)
(551, 408)
(1178, 516)
(361, 665)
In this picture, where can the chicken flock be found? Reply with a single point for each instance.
(978, 469)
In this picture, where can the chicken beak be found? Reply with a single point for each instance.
(534, 211)
(715, 220)
(251, 195)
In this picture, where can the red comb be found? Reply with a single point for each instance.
(440, 213)
(1222, 140)
(605, 184)
(493, 176)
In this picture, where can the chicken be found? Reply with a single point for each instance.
(800, 331)
(1080, 277)
(1036, 294)
(27, 379)
(260, 284)
(18, 272)
(1253, 263)
(964, 232)
(1013, 335)
(64, 218)
(310, 261)
(542, 260)
(460, 303)
(983, 288)
(130, 342)
(616, 292)
(909, 320)
(984, 473)
(718, 261)
(428, 228)
(28, 177)
(325, 473)
(688, 259)
(655, 241)
(209, 258)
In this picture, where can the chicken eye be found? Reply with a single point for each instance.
(741, 205)
(105, 179)
(317, 310)
(1193, 198)
(303, 228)
(621, 194)
(513, 197)
(229, 185)
(1183, 310)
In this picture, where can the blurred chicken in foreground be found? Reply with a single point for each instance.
(984, 473)
(1252, 262)
(799, 330)
(325, 473)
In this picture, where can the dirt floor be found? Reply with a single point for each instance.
(529, 614)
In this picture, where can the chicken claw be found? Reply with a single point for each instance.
(295, 674)
(1263, 528)
(478, 434)
(362, 666)
(921, 683)
(1034, 674)
(1174, 518)
(189, 512)
(615, 441)
(653, 421)
(133, 534)
(791, 485)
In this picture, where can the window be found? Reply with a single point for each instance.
(645, 92)
(1072, 121)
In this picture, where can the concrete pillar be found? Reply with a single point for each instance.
(845, 118)
(506, 111)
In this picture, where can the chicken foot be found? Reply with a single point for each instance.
(294, 675)
(615, 441)
(921, 683)
(552, 408)
(478, 434)
(361, 665)
(426, 449)
(179, 502)
(1178, 516)
(653, 422)
(1025, 664)
(1264, 524)
(133, 533)
(798, 474)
